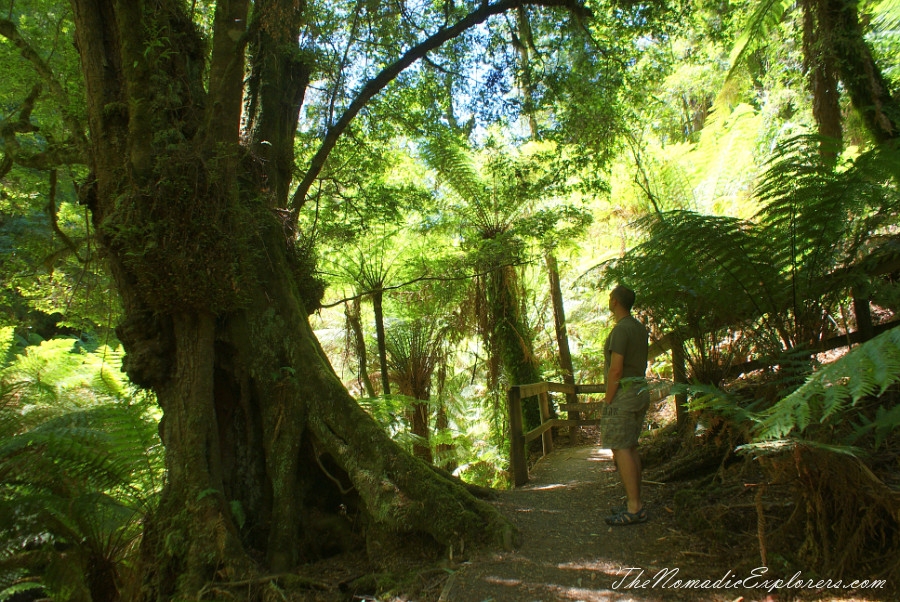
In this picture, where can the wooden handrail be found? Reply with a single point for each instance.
(519, 439)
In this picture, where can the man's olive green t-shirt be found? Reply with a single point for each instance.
(629, 338)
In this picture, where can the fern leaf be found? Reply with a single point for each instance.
(826, 395)
(887, 14)
(18, 591)
(886, 422)
(448, 157)
(762, 21)
(7, 345)
(780, 446)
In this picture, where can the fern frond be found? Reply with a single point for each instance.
(756, 30)
(80, 463)
(105, 448)
(691, 261)
(449, 157)
(867, 370)
(887, 14)
(780, 446)
(7, 346)
(20, 589)
(719, 402)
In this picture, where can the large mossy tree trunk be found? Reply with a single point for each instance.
(270, 462)
(818, 49)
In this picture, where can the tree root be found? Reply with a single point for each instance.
(849, 516)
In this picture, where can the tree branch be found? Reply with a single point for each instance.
(53, 156)
(9, 31)
(389, 73)
(8, 130)
(422, 278)
(54, 221)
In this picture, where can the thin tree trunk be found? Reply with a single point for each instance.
(863, 312)
(562, 336)
(359, 342)
(378, 305)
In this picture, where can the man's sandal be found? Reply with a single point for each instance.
(627, 518)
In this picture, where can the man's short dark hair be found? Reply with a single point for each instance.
(625, 296)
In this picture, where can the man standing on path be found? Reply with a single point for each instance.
(625, 353)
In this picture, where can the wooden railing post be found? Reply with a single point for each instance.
(547, 437)
(517, 465)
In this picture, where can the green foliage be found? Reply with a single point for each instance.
(762, 21)
(80, 466)
(731, 287)
(414, 348)
(832, 394)
(884, 37)
(391, 412)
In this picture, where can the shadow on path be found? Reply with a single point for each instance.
(568, 553)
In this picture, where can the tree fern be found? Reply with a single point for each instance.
(456, 166)
(80, 465)
(830, 393)
(887, 14)
(759, 25)
(700, 278)
(770, 284)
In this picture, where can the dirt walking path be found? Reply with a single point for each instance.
(568, 553)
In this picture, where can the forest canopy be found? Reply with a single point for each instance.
(270, 266)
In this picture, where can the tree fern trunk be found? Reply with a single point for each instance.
(513, 337)
(861, 76)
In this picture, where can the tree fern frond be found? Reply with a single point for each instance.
(756, 30)
(691, 261)
(43, 371)
(449, 157)
(19, 589)
(824, 219)
(886, 421)
(780, 446)
(719, 402)
(105, 446)
(826, 395)
(108, 379)
(7, 346)
(887, 14)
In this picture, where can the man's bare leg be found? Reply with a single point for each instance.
(628, 461)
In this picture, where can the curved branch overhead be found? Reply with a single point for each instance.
(389, 73)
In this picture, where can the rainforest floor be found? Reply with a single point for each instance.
(702, 526)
